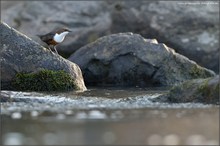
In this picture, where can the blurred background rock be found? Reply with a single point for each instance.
(192, 30)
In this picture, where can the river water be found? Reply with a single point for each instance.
(102, 116)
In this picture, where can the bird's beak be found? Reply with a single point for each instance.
(70, 30)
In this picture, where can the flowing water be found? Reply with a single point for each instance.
(105, 116)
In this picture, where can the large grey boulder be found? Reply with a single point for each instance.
(20, 54)
(197, 90)
(191, 28)
(128, 59)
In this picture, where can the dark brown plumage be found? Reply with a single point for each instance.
(48, 38)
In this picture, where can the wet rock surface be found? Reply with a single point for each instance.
(198, 90)
(19, 54)
(4, 97)
(191, 29)
(127, 59)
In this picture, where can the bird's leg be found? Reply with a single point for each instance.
(55, 49)
(50, 48)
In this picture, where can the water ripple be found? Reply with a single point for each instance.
(31, 101)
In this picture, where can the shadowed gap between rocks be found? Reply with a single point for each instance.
(123, 70)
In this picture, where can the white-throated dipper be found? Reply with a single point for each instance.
(54, 38)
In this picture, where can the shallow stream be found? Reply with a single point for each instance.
(106, 116)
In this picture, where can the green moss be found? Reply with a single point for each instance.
(196, 71)
(204, 86)
(196, 90)
(44, 80)
(208, 92)
(216, 90)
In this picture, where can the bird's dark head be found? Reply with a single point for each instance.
(61, 30)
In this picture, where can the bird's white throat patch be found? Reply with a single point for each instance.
(60, 37)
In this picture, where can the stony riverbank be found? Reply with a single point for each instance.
(123, 60)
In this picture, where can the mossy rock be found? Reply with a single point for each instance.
(44, 80)
(198, 72)
(197, 90)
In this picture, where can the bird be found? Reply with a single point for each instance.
(55, 37)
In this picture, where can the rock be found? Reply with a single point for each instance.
(127, 59)
(191, 29)
(197, 90)
(88, 20)
(4, 97)
(20, 54)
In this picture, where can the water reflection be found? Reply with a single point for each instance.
(34, 113)
(95, 114)
(50, 139)
(13, 138)
(107, 137)
(16, 115)
(131, 126)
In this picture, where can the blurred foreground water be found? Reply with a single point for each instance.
(105, 116)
